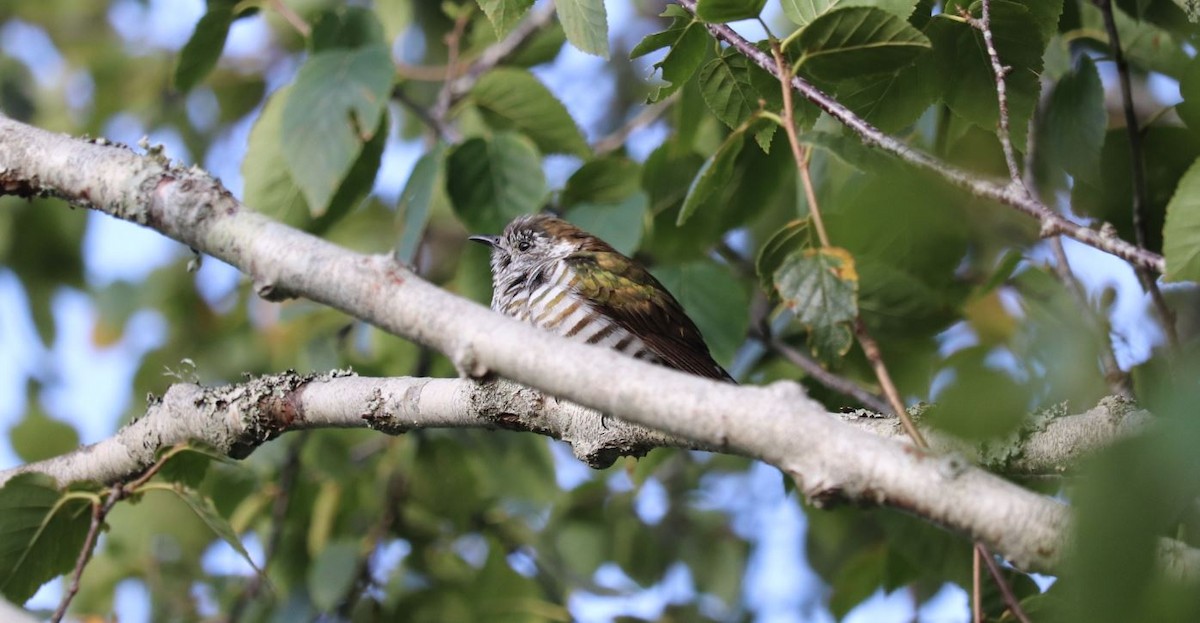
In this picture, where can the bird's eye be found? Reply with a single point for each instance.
(523, 245)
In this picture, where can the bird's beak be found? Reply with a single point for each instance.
(490, 241)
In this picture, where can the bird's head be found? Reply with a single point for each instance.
(532, 241)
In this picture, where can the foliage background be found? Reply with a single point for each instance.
(451, 525)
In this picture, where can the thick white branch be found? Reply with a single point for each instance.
(779, 424)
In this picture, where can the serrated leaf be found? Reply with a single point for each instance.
(803, 12)
(491, 181)
(719, 11)
(41, 533)
(858, 41)
(1181, 235)
(332, 111)
(199, 55)
(38, 437)
(714, 174)
(519, 98)
(586, 25)
(725, 85)
(819, 285)
(504, 14)
(1071, 132)
(332, 574)
(792, 237)
(606, 180)
(687, 39)
(207, 512)
(892, 101)
(416, 199)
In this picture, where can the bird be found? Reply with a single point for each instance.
(555, 276)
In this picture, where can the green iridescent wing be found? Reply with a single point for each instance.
(641, 305)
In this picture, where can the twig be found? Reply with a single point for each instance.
(441, 105)
(279, 509)
(1051, 223)
(984, 25)
(869, 345)
(99, 513)
(440, 129)
(292, 18)
(647, 116)
(828, 379)
(1010, 599)
(537, 19)
(976, 586)
(1137, 166)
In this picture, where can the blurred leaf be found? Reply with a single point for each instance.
(715, 299)
(857, 580)
(1189, 89)
(38, 437)
(491, 181)
(202, 50)
(719, 11)
(586, 25)
(41, 533)
(332, 574)
(686, 39)
(504, 14)
(523, 101)
(803, 12)
(857, 41)
(416, 199)
(347, 28)
(980, 403)
(1146, 46)
(1071, 132)
(1181, 235)
(604, 180)
(618, 224)
(892, 101)
(332, 111)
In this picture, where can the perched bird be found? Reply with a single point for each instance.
(553, 275)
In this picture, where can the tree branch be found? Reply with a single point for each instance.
(829, 460)
(1051, 223)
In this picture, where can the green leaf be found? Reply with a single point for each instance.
(803, 12)
(713, 175)
(41, 534)
(269, 187)
(416, 199)
(858, 41)
(586, 25)
(606, 180)
(204, 509)
(619, 224)
(979, 403)
(333, 573)
(523, 101)
(795, 235)
(819, 285)
(719, 11)
(892, 102)
(491, 181)
(968, 82)
(1189, 88)
(687, 39)
(725, 85)
(715, 299)
(332, 111)
(346, 28)
(1071, 133)
(200, 54)
(1181, 235)
(1146, 46)
(38, 437)
(504, 14)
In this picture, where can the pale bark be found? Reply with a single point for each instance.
(828, 459)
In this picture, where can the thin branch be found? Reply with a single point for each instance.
(441, 105)
(798, 153)
(875, 357)
(1006, 592)
(984, 25)
(646, 116)
(1137, 167)
(828, 379)
(99, 513)
(538, 19)
(976, 586)
(1050, 222)
(292, 18)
